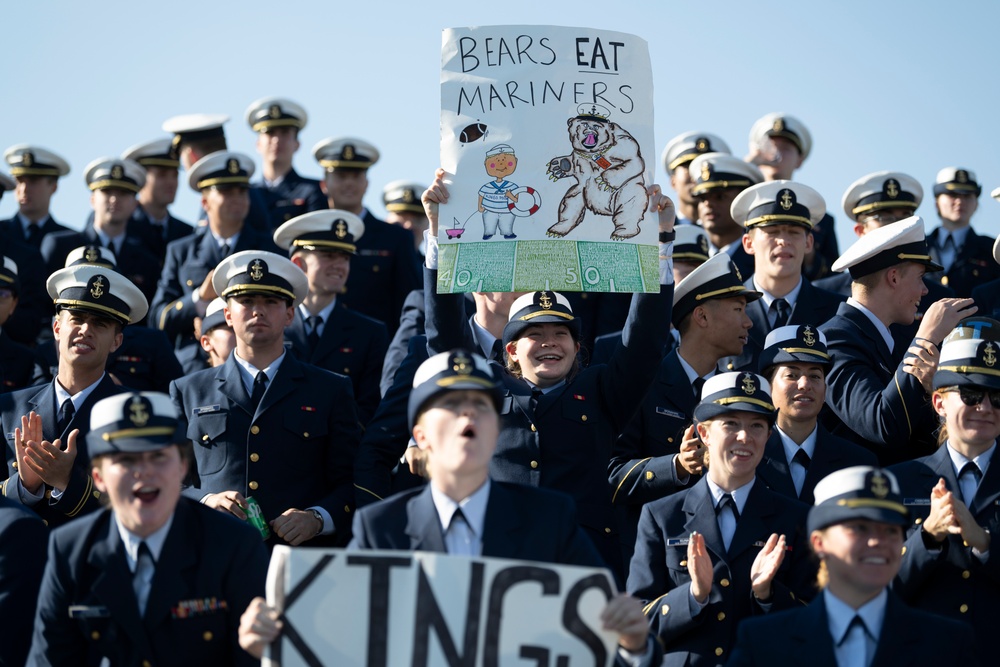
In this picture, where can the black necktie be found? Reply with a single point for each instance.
(698, 384)
(313, 336)
(727, 501)
(66, 412)
(801, 458)
(224, 250)
(33, 235)
(498, 351)
(535, 395)
(259, 385)
(782, 311)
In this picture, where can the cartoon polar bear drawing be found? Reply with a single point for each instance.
(608, 168)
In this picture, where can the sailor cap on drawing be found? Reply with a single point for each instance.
(330, 230)
(719, 170)
(260, 272)
(778, 203)
(858, 492)
(718, 278)
(345, 153)
(221, 168)
(794, 344)
(403, 196)
(887, 246)
(735, 392)
(269, 112)
(156, 153)
(969, 362)
(879, 190)
(956, 180)
(781, 125)
(28, 160)
(686, 147)
(112, 172)
(99, 290)
(195, 127)
(133, 422)
(690, 244)
(539, 308)
(456, 370)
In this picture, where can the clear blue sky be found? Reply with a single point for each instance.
(907, 86)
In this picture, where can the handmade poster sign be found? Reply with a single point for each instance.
(547, 135)
(417, 609)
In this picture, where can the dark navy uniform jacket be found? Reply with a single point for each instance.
(952, 581)
(81, 496)
(813, 306)
(801, 638)
(565, 442)
(659, 575)
(23, 542)
(831, 454)
(155, 237)
(211, 567)
(34, 305)
(902, 334)
(12, 228)
(351, 345)
(825, 249)
(188, 262)
(296, 451)
(135, 262)
(973, 265)
(987, 297)
(876, 403)
(20, 366)
(383, 272)
(292, 197)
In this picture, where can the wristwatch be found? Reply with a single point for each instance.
(319, 517)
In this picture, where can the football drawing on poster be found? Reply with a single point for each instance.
(547, 138)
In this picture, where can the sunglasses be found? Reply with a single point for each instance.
(973, 397)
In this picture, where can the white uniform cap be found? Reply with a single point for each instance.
(778, 203)
(720, 170)
(690, 244)
(92, 254)
(156, 153)
(956, 180)
(221, 168)
(685, 147)
(330, 230)
(403, 196)
(99, 290)
(260, 272)
(780, 124)
(28, 160)
(880, 190)
(270, 112)
(189, 126)
(345, 153)
(718, 278)
(887, 246)
(113, 172)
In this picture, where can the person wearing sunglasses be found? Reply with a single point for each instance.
(949, 566)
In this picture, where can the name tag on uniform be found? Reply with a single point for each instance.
(678, 541)
(912, 502)
(86, 611)
(670, 413)
(205, 409)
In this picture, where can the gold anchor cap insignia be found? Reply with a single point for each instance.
(28, 159)
(808, 337)
(460, 363)
(989, 355)
(880, 485)
(706, 171)
(138, 412)
(545, 301)
(117, 172)
(340, 229)
(274, 111)
(233, 166)
(258, 268)
(779, 125)
(703, 244)
(962, 176)
(97, 287)
(348, 152)
(892, 188)
(748, 384)
(408, 195)
(91, 254)
(786, 199)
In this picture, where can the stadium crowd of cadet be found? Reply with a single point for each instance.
(783, 456)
